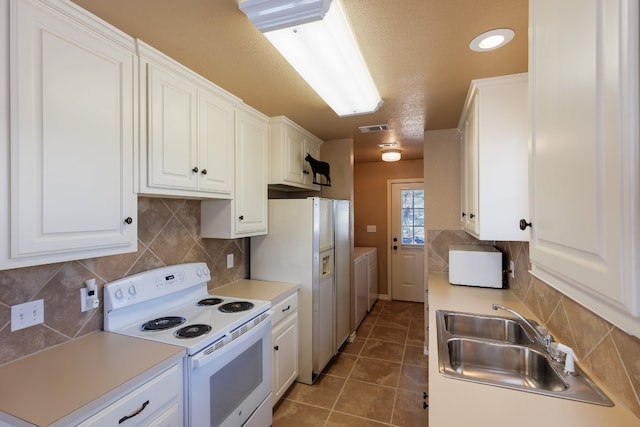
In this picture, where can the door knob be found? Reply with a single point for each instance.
(524, 224)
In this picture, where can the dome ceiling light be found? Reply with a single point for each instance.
(491, 40)
(391, 155)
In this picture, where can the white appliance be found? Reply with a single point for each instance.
(227, 340)
(360, 291)
(371, 255)
(475, 265)
(310, 245)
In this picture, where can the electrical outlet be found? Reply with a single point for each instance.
(512, 269)
(229, 260)
(27, 314)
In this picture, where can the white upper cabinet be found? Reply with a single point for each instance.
(585, 154)
(187, 142)
(494, 156)
(289, 144)
(67, 172)
(246, 214)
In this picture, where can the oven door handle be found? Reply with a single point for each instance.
(211, 354)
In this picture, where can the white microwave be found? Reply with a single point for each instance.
(475, 265)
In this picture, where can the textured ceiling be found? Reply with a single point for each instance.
(417, 52)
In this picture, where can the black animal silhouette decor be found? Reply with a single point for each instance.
(319, 167)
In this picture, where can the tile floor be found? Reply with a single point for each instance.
(377, 380)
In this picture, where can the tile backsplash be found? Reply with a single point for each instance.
(604, 351)
(168, 233)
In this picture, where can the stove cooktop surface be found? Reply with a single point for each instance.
(172, 305)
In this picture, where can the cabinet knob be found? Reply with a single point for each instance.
(276, 348)
(304, 171)
(241, 217)
(128, 220)
(524, 224)
(204, 172)
(395, 247)
(463, 214)
(195, 170)
(472, 216)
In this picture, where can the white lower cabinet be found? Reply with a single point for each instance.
(66, 189)
(158, 402)
(285, 346)
(585, 161)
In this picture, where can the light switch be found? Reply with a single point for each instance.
(371, 228)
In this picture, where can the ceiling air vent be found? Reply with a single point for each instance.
(374, 128)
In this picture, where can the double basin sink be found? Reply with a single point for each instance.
(502, 351)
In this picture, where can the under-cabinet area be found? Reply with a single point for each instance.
(480, 400)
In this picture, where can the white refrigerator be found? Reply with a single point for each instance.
(307, 244)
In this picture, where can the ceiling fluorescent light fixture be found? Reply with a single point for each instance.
(491, 40)
(315, 38)
(391, 155)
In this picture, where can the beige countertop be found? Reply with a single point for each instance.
(257, 289)
(454, 403)
(78, 376)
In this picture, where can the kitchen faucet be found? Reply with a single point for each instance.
(542, 334)
(544, 339)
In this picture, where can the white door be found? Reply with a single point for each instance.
(407, 240)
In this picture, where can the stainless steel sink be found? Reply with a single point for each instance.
(515, 365)
(486, 327)
(499, 351)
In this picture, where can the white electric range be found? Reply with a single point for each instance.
(227, 340)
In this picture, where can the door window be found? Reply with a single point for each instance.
(412, 217)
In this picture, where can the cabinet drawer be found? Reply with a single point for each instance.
(284, 308)
(148, 399)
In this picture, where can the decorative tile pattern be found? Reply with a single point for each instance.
(168, 233)
(604, 351)
(383, 377)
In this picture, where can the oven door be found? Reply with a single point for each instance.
(226, 386)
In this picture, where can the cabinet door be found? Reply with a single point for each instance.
(216, 136)
(172, 149)
(470, 219)
(285, 355)
(252, 133)
(294, 154)
(584, 164)
(72, 135)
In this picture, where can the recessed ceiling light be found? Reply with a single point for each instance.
(491, 40)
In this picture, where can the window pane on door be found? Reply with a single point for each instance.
(412, 217)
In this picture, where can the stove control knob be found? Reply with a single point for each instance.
(118, 294)
(132, 290)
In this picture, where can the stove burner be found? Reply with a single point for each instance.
(162, 323)
(210, 301)
(236, 306)
(192, 331)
